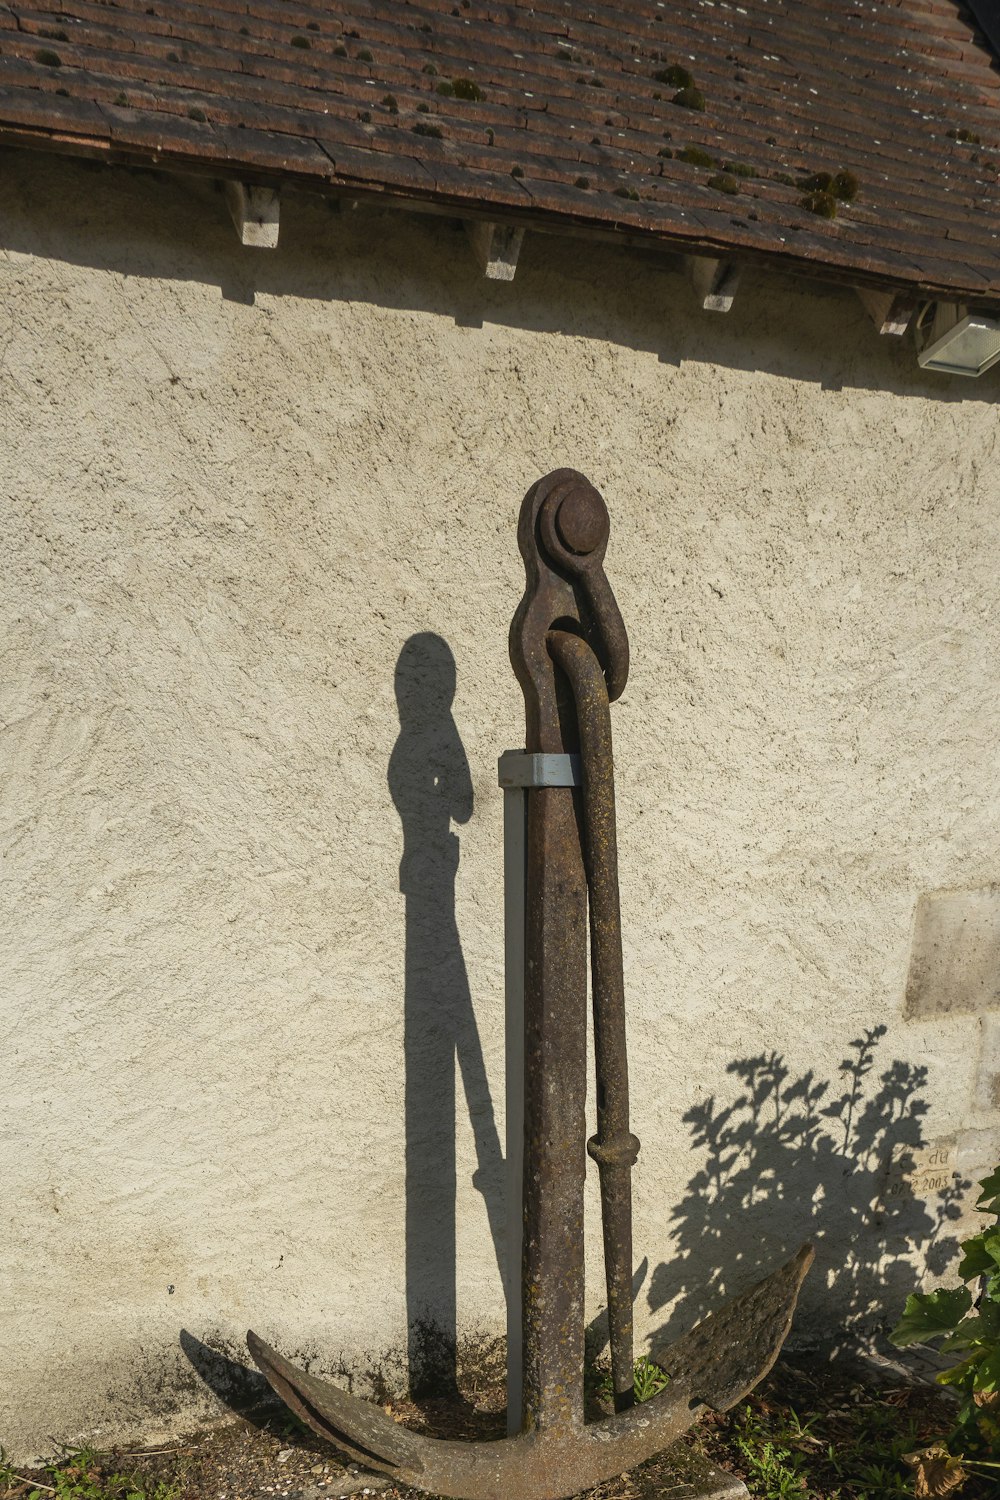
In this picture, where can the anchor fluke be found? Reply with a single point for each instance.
(731, 1350)
(357, 1427)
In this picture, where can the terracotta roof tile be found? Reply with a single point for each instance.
(557, 112)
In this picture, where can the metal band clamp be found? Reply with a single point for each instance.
(525, 768)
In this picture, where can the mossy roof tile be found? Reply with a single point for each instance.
(791, 88)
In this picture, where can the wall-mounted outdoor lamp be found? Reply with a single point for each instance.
(956, 342)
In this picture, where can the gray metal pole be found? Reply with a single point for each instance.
(518, 771)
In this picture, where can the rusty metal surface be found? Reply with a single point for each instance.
(569, 649)
(563, 534)
(614, 1148)
(555, 1071)
(713, 1368)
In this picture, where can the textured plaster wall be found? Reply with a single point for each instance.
(237, 484)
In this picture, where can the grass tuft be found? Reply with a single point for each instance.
(677, 76)
(823, 204)
(696, 156)
(690, 98)
(467, 88)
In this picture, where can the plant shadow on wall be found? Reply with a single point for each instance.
(430, 784)
(795, 1159)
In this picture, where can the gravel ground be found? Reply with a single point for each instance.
(813, 1433)
(275, 1458)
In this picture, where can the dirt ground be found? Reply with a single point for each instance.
(807, 1433)
(273, 1457)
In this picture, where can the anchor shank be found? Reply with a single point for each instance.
(555, 1057)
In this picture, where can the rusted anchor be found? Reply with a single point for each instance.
(569, 649)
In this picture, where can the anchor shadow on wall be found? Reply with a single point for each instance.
(794, 1159)
(431, 786)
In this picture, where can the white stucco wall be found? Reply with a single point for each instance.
(237, 482)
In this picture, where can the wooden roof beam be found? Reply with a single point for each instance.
(714, 281)
(495, 247)
(255, 212)
(891, 312)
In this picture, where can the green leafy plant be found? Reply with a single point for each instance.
(81, 1476)
(969, 1327)
(647, 1377)
(774, 1469)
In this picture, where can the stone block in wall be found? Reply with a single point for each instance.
(955, 954)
